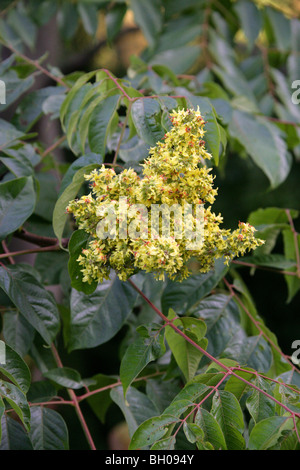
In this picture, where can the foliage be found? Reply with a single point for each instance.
(197, 366)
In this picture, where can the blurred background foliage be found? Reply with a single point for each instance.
(241, 52)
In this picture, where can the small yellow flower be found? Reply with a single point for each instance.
(174, 173)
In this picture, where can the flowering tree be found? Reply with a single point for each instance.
(117, 308)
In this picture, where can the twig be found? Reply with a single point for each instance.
(75, 402)
(205, 353)
(53, 146)
(38, 239)
(116, 384)
(27, 252)
(8, 8)
(257, 324)
(36, 64)
(252, 265)
(122, 133)
(6, 250)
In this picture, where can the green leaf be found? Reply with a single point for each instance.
(168, 443)
(166, 72)
(53, 268)
(188, 25)
(212, 132)
(146, 117)
(276, 261)
(161, 393)
(100, 402)
(281, 26)
(87, 160)
(47, 196)
(14, 436)
(269, 222)
(24, 27)
(114, 19)
(151, 431)
(33, 301)
(41, 391)
(253, 351)
(137, 408)
(148, 16)
(179, 60)
(48, 430)
(17, 201)
(263, 142)
(193, 432)
(15, 87)
(237, 386)
(144, 349)
(31, 107)
(228, 413)
(222, 318)
(259, 406)
(269, 216)
(211, 429)
(99, 123)
(97, 317)
(42, 354)
(78, 242)
(195, 390)
(2, 412)
(267, 432)
(289, 241)
(59, 213)
(17, 400)
(250, 18)
(68, 20)
(15, 369)
(21, 162)
(134, 150)
(74, 97)
(18, 332)
(186, 355)
(89, 17)
(181, 296)
(65, 377)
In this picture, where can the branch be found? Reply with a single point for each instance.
(229, 370)
(257, 324)
(53, 146)
(122, 133)
(74, 400)
(35, 64)
(116, 384)
(252, 265)
(38, 239)
(6, 250)
(27, 252)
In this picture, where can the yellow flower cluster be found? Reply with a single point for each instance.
(174, 173)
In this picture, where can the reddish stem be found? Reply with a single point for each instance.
(6, 250)
(34, 250)
(38, 239)
(213, 359)
(252, 265)
(256, 323)
(74, 400)
(54, 146)
(36, 64)
(116, 384)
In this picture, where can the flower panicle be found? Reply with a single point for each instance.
(174, 173)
